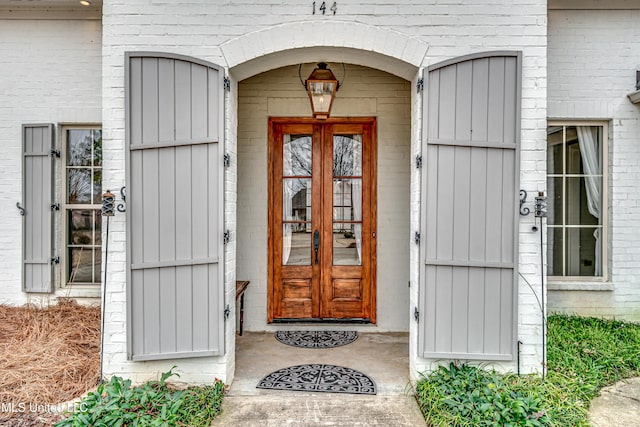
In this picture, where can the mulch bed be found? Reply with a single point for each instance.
(47, 356)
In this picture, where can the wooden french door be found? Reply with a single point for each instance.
(322, 219)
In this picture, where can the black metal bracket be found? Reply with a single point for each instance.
(524, 211)
(420, 85)
(55, 153)
(20, 208)
(123, 194)
(419, 161)
(227, 312)
(55, 206)
(417, 237)
(226, 237)
(226, 160)
(416, 314)
(227, 84)
(54, 260)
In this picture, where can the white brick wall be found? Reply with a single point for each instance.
(248, 37)
(49, 73)
(234, 34)
(593, 58)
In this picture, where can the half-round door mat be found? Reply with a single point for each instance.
(319, 378)
(316, 339)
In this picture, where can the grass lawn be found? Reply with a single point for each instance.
(583, 355)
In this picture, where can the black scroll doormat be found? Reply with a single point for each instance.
(316, 339)
(319, 378)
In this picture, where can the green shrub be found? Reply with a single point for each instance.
(463, 395)
(584, 354)
(118, 404)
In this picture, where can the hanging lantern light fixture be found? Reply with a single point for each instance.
(321, 86)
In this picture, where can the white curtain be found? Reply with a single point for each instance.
(356, 193)
(287, 199)
(590, 153)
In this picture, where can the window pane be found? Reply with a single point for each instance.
(347, 155)
(80, 227)
(296, 155)
(583, 251)
(581, 205)
(97, 265)
(554, 153)
(97, 147)
(347, 244)
(296, 244)
(296, 199)
(79, 186)
(79, 147)
(554, 251)
(347, 199)
(97, 186)
(80, 265)
(98, 226)
(554, 201)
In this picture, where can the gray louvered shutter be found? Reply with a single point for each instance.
(174, 134)
(37, 197)
(468, 291)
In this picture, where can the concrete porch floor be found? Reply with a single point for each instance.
(382, 356)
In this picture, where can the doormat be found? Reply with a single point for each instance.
(319, 378)
(316, 339)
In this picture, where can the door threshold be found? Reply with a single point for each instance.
(327, 321)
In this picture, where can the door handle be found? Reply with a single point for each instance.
(316, 243)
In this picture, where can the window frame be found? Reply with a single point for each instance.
(63, 223)
(585, 281)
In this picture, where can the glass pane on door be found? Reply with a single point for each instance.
(296, 155)
(347, 244)
(296, 199)
(347, 155)
(296, 244)
(347, 199)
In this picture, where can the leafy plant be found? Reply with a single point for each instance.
(118, 404)
(464, 395)
(584, 355)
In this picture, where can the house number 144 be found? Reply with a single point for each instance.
(323, 7)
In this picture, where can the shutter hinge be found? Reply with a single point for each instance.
(20, 209)
(226, 237)
(55, 153)
(227, 84)
(227, 312)
(54, 260)
(416, 237)
(419, 161)
(420, 85)
(416, 314)
(55, 206)
(226, 160)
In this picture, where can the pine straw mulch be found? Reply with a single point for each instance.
(47, 356)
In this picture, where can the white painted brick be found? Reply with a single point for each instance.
(592, 63)
(426, 33)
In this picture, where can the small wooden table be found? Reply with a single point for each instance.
(241, 287)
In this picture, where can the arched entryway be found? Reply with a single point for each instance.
(367, 93)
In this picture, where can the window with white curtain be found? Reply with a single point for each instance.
(577, 210)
